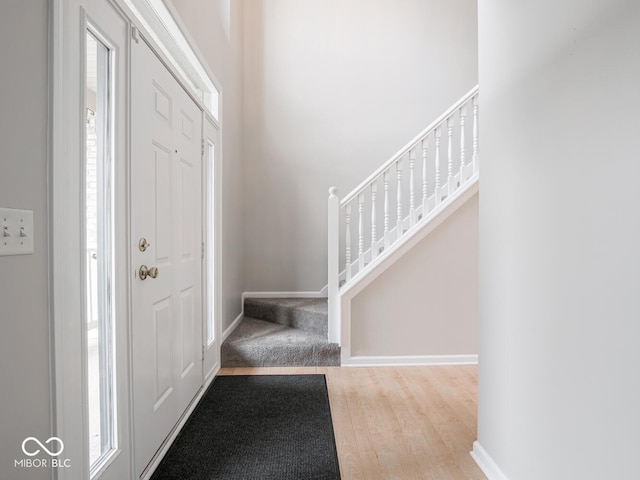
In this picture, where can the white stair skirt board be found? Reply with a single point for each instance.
(486, 463)
(401, 247)
(410, 360)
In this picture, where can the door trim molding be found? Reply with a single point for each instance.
(165, 33)
(63, 420)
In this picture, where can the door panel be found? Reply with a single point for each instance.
(166, 211)
(162, 193)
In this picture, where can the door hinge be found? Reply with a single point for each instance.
(202, 147)
(135, 34)
(202, 251)
(203, 350)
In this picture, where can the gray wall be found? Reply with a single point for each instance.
(332, 89)
(559, 238)
(427, 302)
(216, 27)
(24, 325)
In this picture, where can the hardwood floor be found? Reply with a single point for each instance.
(400, 423)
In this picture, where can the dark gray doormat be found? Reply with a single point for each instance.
(264, 427)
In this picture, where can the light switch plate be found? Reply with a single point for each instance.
(16, 231)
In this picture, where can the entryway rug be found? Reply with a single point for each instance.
(263, 427)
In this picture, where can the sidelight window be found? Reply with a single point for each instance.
(99, 258)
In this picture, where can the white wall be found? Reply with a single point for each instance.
(559, 384)
(216, 27)
(332, 89)
(427, 302)
(24, 324)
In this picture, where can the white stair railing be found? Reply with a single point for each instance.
(356, 242)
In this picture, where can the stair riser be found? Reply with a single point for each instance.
(304, 356)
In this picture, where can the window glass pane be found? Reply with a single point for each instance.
(98, 255)
(210, 243)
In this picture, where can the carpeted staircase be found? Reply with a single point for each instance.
(281, 332)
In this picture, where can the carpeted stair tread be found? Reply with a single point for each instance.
(256, 343)
(309, 314)
(253, 329)
(311, 304)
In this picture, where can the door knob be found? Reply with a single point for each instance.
(145, 272)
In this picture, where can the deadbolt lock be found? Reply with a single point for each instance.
(145, 272)
(143, 244)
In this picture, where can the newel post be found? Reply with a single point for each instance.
(333, 283)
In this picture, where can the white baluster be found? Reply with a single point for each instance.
(360, 233)
(374, 247)
(399, 227)
(333, 283)
(463, 116)
(475, 135)
(450, 179)
(425, 155)
(387, 239)
(412, 195)
(437, 193)
(347, 244)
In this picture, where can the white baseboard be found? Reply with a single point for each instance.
(410, 360)
(211, 374)
(486, 463)
(232, 327)
(319, 294)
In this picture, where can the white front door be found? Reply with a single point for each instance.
(166, 236)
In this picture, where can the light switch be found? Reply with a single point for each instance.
(16, 231)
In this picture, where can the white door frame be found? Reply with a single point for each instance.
(65, 186)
